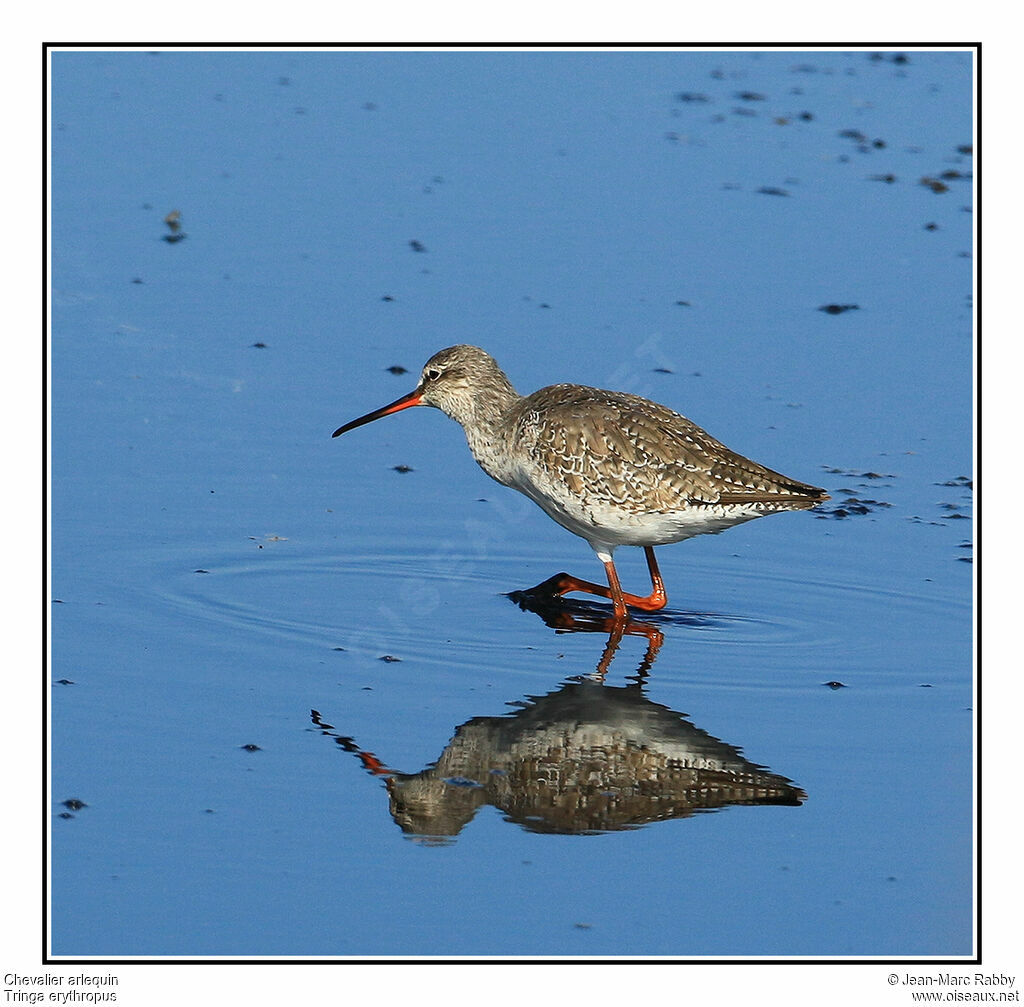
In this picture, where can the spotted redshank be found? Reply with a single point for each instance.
(613, 468)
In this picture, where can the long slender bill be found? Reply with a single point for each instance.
(414, 398)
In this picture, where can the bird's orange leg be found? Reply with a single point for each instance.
(563, 583)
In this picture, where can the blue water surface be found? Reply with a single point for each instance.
(666, 223)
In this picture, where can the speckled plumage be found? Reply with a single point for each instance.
(613, 468)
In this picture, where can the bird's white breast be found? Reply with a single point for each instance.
(611, 526)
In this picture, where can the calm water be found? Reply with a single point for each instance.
(475, 780)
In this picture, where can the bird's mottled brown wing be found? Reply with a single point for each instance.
(636, 453)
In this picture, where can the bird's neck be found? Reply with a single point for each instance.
(487, 426)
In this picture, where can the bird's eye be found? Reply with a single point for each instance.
(433, 374)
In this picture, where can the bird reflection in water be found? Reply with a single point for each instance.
(585, 759)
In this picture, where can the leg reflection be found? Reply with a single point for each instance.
(581, 618)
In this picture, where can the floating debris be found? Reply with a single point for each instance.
(417, 246)
(173, 221)
(864, 506)
(695, 97)
(835, 685)
(402, 468)
(772, 190)
(389, 659)
(251, 748)
(949, 511)
(858, 475)
(74, 804)
(851, 506)
(864, 144)
(934, 184)
(396, 369)
(838, 309)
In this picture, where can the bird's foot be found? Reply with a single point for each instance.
(564, 583)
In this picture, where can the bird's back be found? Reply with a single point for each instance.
(621, 450)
